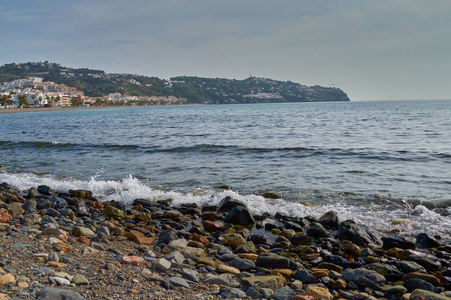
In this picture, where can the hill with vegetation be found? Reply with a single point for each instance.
(97, 83)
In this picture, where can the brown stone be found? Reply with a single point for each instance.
(134, 261)
(63, 247)
(199, 238)
(228, 269)
(56, 264)
(251, 256)
(309, 257)
(210, 216)
(60, 234)
(318, 293)
(84, 240)
(7, 278)
(139, 238)
(287, 273)
(5, 217)
(303, 297)
(318, 273)
(213, 226)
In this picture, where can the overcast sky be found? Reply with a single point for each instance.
(373, 50)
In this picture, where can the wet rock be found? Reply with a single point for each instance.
(301, 239)
(50, 293)
(228, 203)
(317, 230)
(233, 240)
(417, 283)
(166, 236)
(248, 247)
(113, 212)
(364, 277)
(357, 234)
(388, 271)
(340, 261)
(423, 294)
(305, 277)
(398, 242)
(272, 260)
(424, 240)
(426, 277)
(46, 190)
(425, 262)
(239, 215)
(257, 238)
(410, 266)
(284, 293)
(213, 226)
(329, 220)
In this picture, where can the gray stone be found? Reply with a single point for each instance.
(223, 279)
(162, 264)
(50, 293)
(248, 247)
(429, 264)
(364, 278)
(103, 232)
(426, 241)
(242, 264)
(317, 230)
(410, 266)
(228, 203)
(79, 279)
(272, 260)
(175, 256)
(305, 277)
(266, 293)
(53, 256)
(417, 283)
(357, 234)
(284, 293)
(166, 236)
(329, 220)
(388, 271)
(190, 275)
(82, 231)
(178, 281)
(427, 295)
(253, 293)
(232, 293)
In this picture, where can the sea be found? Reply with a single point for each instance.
(383, 164)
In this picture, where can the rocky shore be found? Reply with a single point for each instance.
(71, 246)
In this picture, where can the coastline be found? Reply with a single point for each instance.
(73, 245)
(43, 109)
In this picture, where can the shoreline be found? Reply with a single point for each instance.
(44, 109)
(72, 244)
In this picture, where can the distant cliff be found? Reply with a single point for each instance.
(97, 83)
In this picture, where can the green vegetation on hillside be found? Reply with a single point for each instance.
(97, 83)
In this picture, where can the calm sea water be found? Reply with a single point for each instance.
(374, 162)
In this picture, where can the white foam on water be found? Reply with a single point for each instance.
(412, 220)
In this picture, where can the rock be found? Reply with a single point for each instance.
(426, 277)
(228, 269)
(223, 279)
(239, 215)
(7, 278)
(50, 293)
(53, 256)
(232, 293)
(272, 282)
(388, 271)
(296, 285)
(213, 226)
(58, 233)
(134, 261)
(427, 263)
(357, 234)
(364, 277)
(305, 277)
(58, 202)
(193, 253)
(84, 194)
(284, 293)
(398, 242)
(317, 230)
(426, 241)
(318, 293)
(396, 289)
(175, 256)
(253, 293)
(178, 281)
(272, 260)
(139, 238)
(162, 264)
(82, 231)
(5, 217)
(233, 240)
(167, 236)
(113, 212)
(247, 247)
(45, 190)
(242, 264)
(15, 208)
(329, 220)
(79, 279)
(427, 295)
(190, 275)
(266, 293)
(410, 266)
(417, 283)
(301, 239)
(228, 203)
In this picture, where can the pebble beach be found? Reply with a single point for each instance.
(57, 245)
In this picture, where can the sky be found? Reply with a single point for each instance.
(373, 50)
